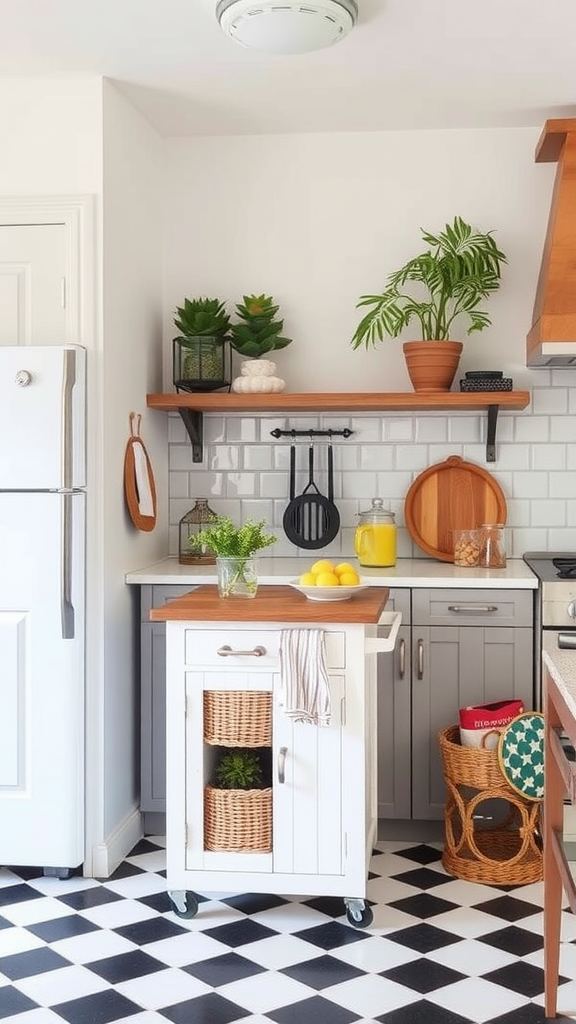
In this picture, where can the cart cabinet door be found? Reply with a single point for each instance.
(307, 789)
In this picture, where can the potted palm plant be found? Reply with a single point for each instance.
(201, 354)
(447, 281)
(253, 335)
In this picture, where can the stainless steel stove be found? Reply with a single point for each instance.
(557, 574)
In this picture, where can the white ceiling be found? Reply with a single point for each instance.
(408, 64)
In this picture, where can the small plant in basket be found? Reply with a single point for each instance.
(240, 769)
(235, 547)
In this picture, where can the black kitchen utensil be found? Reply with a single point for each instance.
(311, 520)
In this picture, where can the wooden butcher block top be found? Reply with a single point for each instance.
(272, 604)
(451, 495)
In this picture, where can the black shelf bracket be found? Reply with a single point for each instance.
(194, 423)
(491, 433)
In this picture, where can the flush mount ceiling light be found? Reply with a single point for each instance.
(286, 27)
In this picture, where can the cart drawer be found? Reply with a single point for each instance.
(250, 648)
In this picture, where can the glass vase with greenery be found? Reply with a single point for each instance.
(235, 548)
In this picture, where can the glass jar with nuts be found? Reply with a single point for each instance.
(467, 547)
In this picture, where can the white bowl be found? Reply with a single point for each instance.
(328, 593)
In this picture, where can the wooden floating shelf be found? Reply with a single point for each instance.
(192, 406)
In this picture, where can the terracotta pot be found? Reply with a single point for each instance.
(432, 365)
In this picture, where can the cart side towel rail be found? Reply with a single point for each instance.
(304, 676)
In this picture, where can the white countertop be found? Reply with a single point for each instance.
(408, 572)
(561, 663)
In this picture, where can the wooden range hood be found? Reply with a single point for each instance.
(552, 339)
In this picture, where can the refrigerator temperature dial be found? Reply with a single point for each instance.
(23, 378)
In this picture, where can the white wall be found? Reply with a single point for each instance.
(131, 367)
(318, 220)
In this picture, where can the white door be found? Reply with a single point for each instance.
(41, 680)
(32, 284)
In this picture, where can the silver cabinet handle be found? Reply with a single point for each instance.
(471, 608)
(226, 651)
(282, 764)
(402, 658)
(420, 659)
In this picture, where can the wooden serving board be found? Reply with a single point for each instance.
(272, 604)
(451, 495)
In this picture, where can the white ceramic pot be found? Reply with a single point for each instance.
(258, 377)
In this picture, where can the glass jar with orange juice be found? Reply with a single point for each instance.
(375, 537)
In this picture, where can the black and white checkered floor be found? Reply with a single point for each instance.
(439, 951)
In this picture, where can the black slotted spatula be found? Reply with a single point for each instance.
(311, 520)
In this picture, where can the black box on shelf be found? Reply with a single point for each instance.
(486, 384)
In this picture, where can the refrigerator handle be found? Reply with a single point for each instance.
(66, 606)
(68, 382)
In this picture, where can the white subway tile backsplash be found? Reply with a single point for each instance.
(257, 457)
(240, 428)
(549, 400)
(224, 457)
(432, 428)
(396, 429)
(549, 456)
(562, 485)
(532, 429)
(245, 470)
(241, 485)
(178, 485)
(548, 513)
(530, 485)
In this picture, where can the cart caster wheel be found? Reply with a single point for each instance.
(358, 914)
(184, 904)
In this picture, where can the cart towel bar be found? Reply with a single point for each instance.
(304, 676)
(377, 644)
(226, 651)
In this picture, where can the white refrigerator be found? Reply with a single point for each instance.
(42, 601)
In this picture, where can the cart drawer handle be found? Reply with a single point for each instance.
(472, 607)
(282, 764)
(226, 651)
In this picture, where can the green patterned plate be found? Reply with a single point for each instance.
(521, 754)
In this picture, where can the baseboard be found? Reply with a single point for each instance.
(107, 856)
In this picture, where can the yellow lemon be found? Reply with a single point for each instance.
(308, 579)
(344, 567)
(349, 579)
(322, 566)
(327, 579)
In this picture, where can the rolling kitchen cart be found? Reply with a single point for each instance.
(322, 791)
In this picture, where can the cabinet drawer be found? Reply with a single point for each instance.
(472, 607)
(157, 595)
(202, 646)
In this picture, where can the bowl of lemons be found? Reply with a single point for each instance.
(329, 581)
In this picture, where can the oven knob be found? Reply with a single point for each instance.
(571, 609)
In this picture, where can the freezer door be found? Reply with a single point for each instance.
(42, 679)
(42, 417)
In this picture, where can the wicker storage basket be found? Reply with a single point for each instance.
(238, 718)
(507, 853)
(238, 820)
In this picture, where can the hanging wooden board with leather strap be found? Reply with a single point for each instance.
(451, 495)
(139, 483)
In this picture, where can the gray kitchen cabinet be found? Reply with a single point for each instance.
(153, 704)
(464, 647)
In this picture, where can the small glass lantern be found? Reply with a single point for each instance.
(201, 363)
(198, 518)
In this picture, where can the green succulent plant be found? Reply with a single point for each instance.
(202, 317)
(239, 769)
(257, 332)
(452, 277)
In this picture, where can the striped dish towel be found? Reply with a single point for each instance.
(304, 676)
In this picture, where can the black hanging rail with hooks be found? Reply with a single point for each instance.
(311, 433)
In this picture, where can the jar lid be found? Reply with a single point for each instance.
(377, 509)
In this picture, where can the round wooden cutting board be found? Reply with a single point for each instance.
(451, 495)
